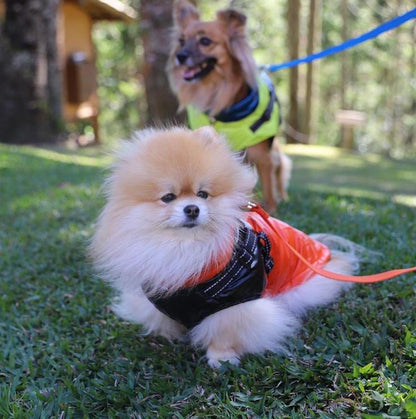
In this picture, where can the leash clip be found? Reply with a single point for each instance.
(255, 207)
(250, 206)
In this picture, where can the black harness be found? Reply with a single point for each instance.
(243, 279)
(248, 104)
(266, 115)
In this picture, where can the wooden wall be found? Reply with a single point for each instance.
(75, 36)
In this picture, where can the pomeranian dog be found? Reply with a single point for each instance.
(212, 71)
(187, 257)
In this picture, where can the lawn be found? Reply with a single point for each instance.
(64, 354)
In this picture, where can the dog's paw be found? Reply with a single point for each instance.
(217, 356)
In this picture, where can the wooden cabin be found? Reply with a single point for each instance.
(75, 22)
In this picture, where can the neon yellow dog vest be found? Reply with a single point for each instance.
(258, 126)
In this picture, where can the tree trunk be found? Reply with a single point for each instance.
(310, 103)
(293, 14)
(345, 139)
(155, 23)
(30, 79)
(410, 138)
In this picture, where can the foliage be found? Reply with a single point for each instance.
(64, 354)
(120, 91)
(381, 79)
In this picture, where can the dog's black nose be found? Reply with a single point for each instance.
(182, 55)
(191, 211)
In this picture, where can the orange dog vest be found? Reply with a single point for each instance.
(288, 271)
(260, 265)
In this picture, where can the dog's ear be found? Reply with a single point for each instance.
(234, 20)
(184, 12)
(235, 23)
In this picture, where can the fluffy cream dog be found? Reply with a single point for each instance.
(185, 257)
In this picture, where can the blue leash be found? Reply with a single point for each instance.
(384, 27)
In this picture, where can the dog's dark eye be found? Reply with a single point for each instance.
(168, 198)
(202, 194)
(181, 42)
(204, 41)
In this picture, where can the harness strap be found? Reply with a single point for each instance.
(365, 279)
(266, 115)
(242, 280)
(248, 105)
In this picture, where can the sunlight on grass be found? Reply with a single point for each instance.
(78, 157)
(347, 191)
(409, 200)
(313, 151)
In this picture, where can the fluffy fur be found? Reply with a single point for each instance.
(227, 53)
(145, 239)
(211, 67)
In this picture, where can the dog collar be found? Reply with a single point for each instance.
(243, 279)
(241, 109)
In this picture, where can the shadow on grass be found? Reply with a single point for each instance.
(31, 170)
(324, 169)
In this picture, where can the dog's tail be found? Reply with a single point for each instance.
(287, 165)
(283, 164)
(355, 253)
(346, 257)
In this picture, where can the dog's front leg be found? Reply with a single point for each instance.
(252, 327)
(137, 308)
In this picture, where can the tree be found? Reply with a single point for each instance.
(346, 140)
(156, 23)
(293, 15)
(30, 79)
(311, 85)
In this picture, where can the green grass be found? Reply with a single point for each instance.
(64, 354)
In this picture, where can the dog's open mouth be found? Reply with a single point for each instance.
(200, 70)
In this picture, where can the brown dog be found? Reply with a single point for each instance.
(213, 73)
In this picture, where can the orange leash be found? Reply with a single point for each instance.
(365, 279)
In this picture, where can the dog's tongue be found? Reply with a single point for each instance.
(190, 72)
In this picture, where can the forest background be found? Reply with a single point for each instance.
(377, 78)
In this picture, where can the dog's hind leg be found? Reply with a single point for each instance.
(260, 155)
(283, 165)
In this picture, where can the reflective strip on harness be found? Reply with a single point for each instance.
(242, 280)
